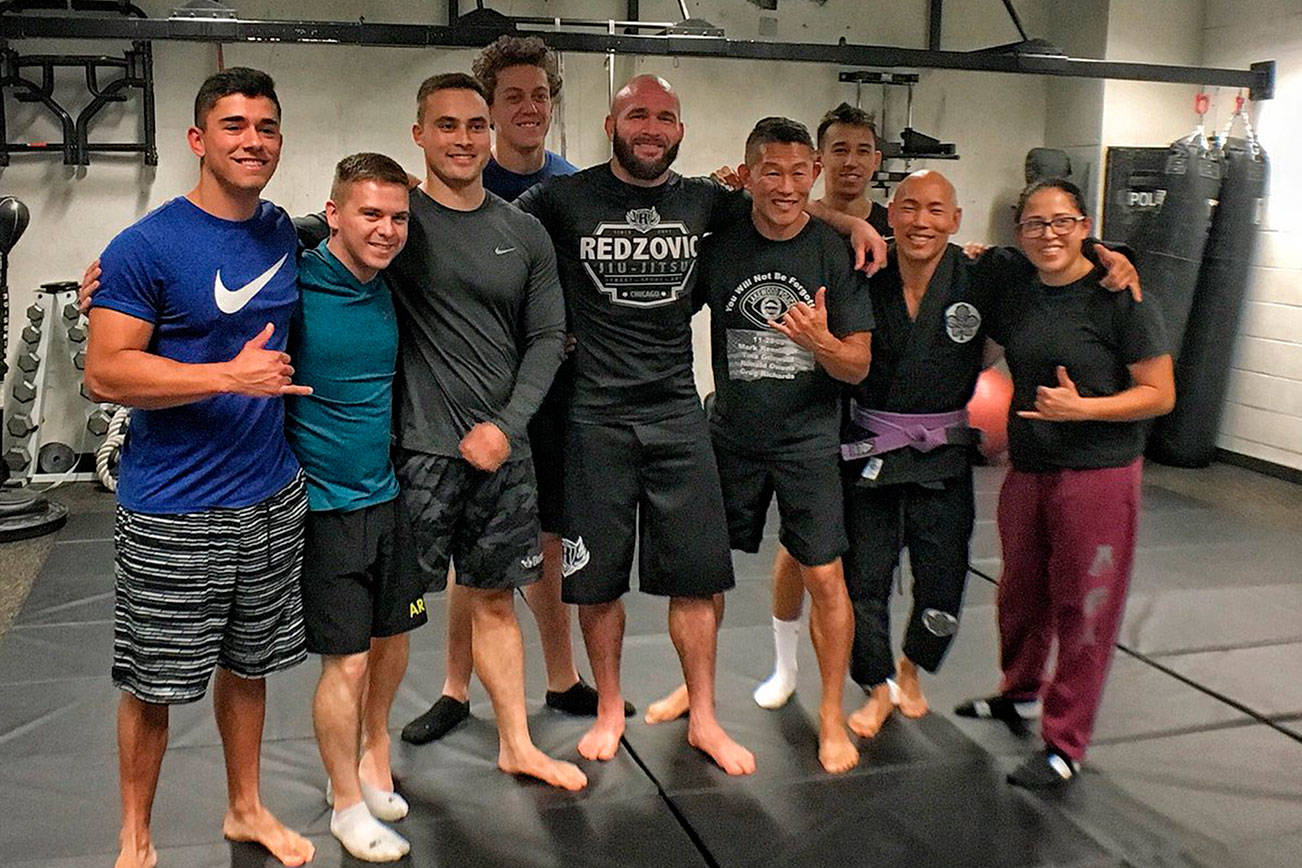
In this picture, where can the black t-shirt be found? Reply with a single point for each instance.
(482, 324)
(1094, 334)
(628, 261)
(879, 220)
(770, 394)
(929, 364)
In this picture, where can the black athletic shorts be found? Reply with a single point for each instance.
(360, 579)
(652, 484)
(485, 524)
(547, 443)
(810, 504)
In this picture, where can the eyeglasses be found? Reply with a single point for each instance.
(1062, 224)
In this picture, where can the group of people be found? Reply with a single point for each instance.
(448, 387)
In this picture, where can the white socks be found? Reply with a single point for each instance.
(775, 692)
(365, 837)
(383, 804)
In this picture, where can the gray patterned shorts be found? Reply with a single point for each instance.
(485, 524)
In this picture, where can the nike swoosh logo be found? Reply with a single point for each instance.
(232, 300)
(500, 250)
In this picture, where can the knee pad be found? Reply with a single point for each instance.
(938, 623)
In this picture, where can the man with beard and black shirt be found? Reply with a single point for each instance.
(638, 461)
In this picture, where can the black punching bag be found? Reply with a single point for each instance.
(1170, 249)
(1187, 436)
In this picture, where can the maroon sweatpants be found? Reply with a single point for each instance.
(1068, 540)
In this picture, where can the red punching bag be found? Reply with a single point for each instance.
(988, 410)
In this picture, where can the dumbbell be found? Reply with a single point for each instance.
(98, 423)
(24, 391)
(20, 425)
(18, 458)
(28, 361)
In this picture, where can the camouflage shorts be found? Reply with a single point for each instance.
(484, 524)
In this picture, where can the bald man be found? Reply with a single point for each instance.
(906, 451)
(639, 468)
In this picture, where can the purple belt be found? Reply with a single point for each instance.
(890, 431)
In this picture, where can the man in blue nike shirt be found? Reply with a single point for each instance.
(189, 329)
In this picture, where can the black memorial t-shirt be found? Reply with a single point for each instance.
(1094, 334)
(770, 394)
(628, 263)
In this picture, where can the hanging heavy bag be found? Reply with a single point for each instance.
(1170, 252)
(1187, 436)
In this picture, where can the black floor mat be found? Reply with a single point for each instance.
(1178, 774)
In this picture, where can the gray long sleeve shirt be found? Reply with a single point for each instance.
(481, 324)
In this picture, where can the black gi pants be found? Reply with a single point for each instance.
(934, 520)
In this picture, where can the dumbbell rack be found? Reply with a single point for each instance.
(24, 410)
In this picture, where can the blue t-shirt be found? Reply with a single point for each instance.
(509, 185)
(344, 343)
(208, 286)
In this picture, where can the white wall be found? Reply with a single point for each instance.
(339, 100)
(1151, 31)
(1263, 412)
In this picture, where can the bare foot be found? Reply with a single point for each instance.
(868, 720)
(602, 740)
(835, 750)
(261, 827)
(536, 764)
(136, 853)
(726, 753)
(911, 701)
(671, 707)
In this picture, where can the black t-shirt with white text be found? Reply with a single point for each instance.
(628, 262)
(1095, 334)
(771, 396)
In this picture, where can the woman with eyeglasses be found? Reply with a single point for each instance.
(1088, 367)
